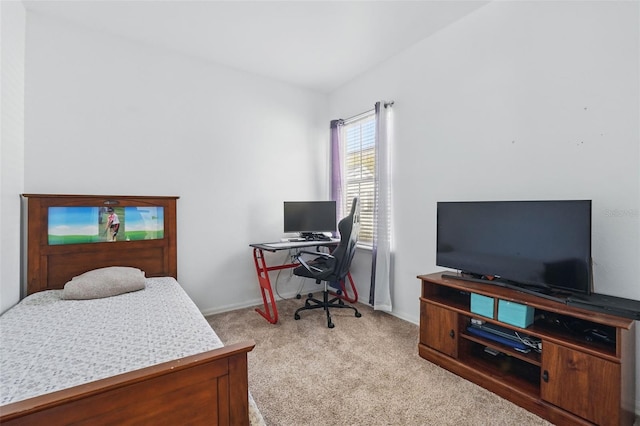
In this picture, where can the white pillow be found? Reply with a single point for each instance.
(104, 282)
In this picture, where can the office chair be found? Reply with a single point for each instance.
(331, 267)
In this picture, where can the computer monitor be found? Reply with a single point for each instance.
(309, 218)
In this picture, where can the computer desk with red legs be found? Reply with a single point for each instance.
(270, 312)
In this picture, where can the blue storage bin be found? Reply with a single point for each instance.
(482, 305)
(515, 313)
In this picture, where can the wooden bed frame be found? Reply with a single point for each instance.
(208, 388)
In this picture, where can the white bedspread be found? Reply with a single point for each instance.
(48, 344)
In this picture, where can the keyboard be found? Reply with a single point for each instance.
(505, 336)
(500, 331)
(516, 344)
(303, 243)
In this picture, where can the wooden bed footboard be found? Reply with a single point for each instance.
(210, 388)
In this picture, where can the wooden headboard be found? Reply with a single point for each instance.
(51, 266)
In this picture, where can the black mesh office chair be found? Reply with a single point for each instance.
(331, 267)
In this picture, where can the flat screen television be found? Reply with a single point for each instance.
(309, 218)
(541, 245)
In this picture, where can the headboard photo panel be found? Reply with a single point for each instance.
(68, 235)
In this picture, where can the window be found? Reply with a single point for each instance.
(359, 177)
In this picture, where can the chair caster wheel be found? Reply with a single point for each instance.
(358, 314)
(298, 296)
(296, 316)
(331, 325)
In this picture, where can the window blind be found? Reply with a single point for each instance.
(359, 137)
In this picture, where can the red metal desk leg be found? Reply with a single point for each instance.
(345, 295)
(270, 315)
(270, 312)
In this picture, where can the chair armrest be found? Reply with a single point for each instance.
(311, 268)
(314, 253)
(308, 267)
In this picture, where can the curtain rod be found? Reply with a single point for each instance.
(362, 114)
(356, 117)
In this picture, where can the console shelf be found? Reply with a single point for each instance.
(531, 357)
(576, 377)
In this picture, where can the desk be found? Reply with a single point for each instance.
(270, 312)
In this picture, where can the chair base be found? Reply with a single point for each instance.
(326, 303)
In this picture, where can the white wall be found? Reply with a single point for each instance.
(12, 16)
(519, 100)
(109, 116)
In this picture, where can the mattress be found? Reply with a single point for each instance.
(50, 344)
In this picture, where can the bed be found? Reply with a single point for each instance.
(143, 356)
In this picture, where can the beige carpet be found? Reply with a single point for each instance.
(365, 371)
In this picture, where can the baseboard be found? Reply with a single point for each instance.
(313, 288)
(406, 318)
(232, 307)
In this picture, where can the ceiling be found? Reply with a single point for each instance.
(318, 45)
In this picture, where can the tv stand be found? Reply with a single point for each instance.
(578, 377)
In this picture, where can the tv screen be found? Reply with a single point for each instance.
(545, 244)
(309, 217)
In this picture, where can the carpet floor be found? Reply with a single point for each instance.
(365, 371)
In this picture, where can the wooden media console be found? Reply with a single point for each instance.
(574, 377)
